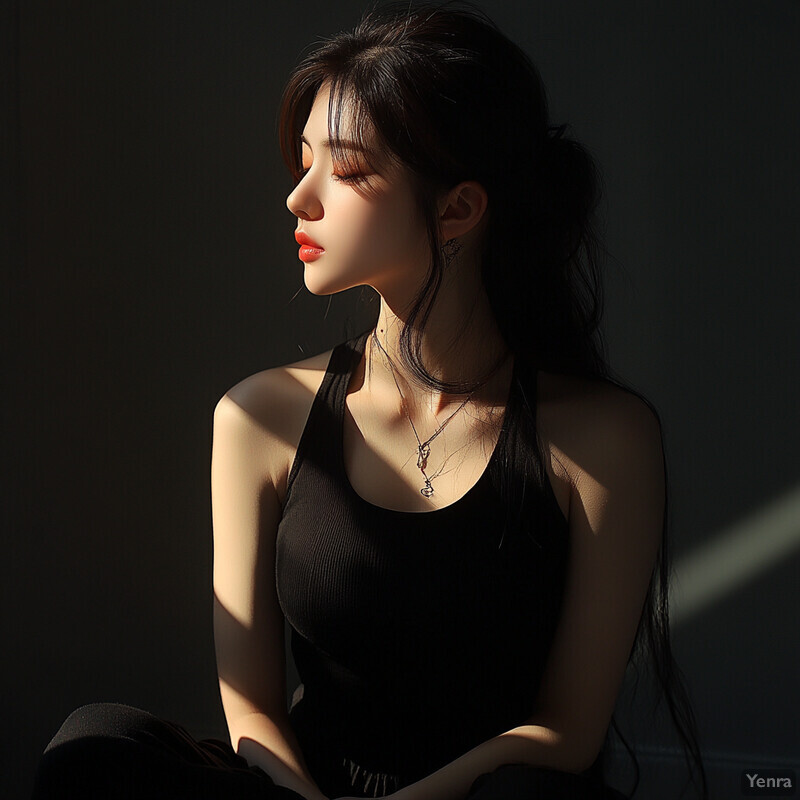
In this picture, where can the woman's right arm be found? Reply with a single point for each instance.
(248, 622)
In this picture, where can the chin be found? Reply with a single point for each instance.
(325, 287)
(323, 282)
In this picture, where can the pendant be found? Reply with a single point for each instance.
(427, 489)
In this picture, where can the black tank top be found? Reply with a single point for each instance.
(416, 635)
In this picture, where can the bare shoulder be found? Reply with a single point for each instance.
(269, 393)
(591, 424)
(268, 411)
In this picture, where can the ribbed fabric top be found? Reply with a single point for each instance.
(416, 635)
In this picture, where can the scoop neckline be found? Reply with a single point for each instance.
(342, 412)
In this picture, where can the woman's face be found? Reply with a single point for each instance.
(369, 234)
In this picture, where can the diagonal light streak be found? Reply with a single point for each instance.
(734, 556)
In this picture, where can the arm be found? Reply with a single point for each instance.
(615, 463)
(248, 623)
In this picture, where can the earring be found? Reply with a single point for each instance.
(450, 250)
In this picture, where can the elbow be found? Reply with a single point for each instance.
(552, 746)
(586, 759)
(577, 759)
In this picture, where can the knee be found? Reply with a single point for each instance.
(104, 720)
(80, 759)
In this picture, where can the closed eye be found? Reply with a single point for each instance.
(353, 178)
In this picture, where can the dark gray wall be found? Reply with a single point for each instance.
(153, 266)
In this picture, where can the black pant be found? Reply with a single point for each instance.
(113, 751)
(117, 752)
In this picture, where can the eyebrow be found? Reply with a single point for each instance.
(345, 144)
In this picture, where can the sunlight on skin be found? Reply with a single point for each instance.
(734, 556)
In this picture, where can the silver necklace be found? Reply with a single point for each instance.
(423, 448)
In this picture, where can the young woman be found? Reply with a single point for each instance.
(459, 512)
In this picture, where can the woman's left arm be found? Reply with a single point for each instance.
(613, 453)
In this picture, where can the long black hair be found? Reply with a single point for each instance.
(448, 96)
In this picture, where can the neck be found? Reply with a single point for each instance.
(460, 344)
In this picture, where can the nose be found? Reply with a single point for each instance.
(303, 202)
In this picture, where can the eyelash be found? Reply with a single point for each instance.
(352, 178)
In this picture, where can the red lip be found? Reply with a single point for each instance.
(303, 238)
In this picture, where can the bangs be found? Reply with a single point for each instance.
(355, 144)
(361, 147)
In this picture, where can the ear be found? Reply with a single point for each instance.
(462, 208)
